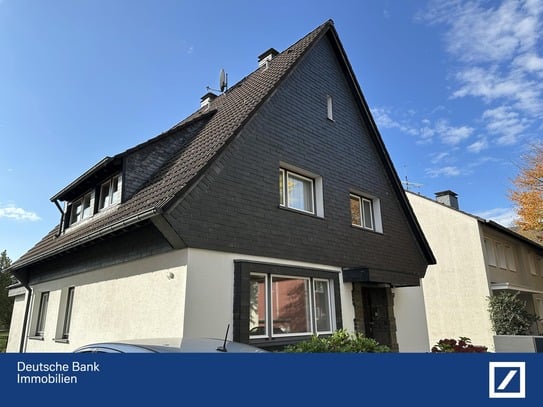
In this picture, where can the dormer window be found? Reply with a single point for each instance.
(100, 197)
(110, 192)
(83, 208)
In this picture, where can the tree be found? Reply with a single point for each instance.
(6, 303)
(527, 192)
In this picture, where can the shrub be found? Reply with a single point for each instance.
(509, 315)
(463, 345)
(339, 341)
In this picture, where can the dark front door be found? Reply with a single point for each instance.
(376, 318)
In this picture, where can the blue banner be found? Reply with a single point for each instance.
(277, 379)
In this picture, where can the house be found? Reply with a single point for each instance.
(476, 258)
(274, 208)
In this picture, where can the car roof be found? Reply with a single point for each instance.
(169, 345)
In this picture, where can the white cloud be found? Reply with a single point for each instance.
(478, 146)
(452, 135)
(506, 123)
(19, 214)
(497, 46)
(448, 171)
(504, 216)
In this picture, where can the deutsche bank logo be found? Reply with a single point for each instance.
(507, 380)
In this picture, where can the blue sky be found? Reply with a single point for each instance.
(455, 86)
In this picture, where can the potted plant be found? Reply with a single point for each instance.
(511, 322)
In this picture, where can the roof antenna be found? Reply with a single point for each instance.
(409, 183)
(223, 82)
(223, 347)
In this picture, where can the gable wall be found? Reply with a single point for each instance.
(455, 289)
(235, 207)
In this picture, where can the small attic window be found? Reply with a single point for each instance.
(329, 108)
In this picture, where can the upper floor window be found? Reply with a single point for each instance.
(101, 197)
(110, 192)
(296, 191)
(366, 212)
(500, 255)
(82, 208)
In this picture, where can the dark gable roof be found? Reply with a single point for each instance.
(224, 117)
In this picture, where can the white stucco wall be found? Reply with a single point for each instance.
(455, 290)
(139, 299)
(209, 301)
(16, 327)
(187, 293)
(410, 314)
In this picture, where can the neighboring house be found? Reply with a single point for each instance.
(476, 258)
(274, 208)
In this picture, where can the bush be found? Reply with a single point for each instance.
(509, 315)
(339, 341)
(463, 345)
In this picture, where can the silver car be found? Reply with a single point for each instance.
(170, 345)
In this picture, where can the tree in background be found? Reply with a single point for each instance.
(527, 193)
(6, 303)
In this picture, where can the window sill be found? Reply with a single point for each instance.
(366, 229)
(61, 340)
(299, 212)
(36, 338)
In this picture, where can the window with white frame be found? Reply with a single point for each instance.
(362, 212)
(500, 254)
(282, 305)
(366, 212)
(301, 191)
(82, 208)
(42, 314)
(110, 192)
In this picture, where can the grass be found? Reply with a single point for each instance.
(3, 340)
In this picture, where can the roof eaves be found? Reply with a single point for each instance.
(121, 224)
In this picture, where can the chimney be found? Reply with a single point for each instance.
(266, 56)
(207, 98)
(448, 198)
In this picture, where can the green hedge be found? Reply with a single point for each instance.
(339, 341)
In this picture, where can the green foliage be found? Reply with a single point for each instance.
(3, 341)
(509, 315)
(6, 303)
(462, 345)
(339, 341)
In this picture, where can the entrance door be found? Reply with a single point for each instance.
(376, 318)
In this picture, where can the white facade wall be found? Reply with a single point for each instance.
(454, 290)
(187, 292)
(410, 314)
(139, 299)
